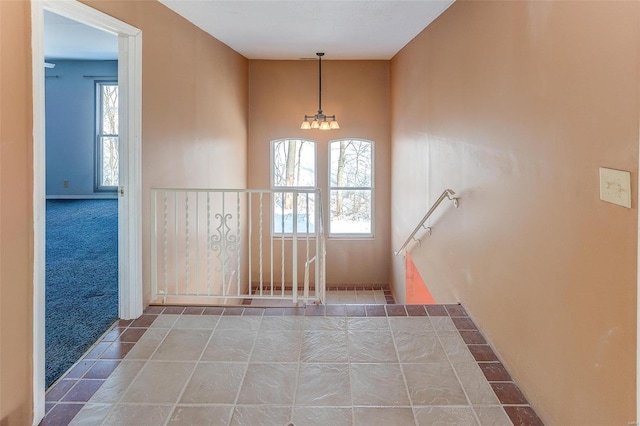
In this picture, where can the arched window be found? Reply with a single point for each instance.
(293, 166)
(351, 181)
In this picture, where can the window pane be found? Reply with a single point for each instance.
(351, 163)
(109, 109)
(350, 212)
(294, 163)
(283, 213)
(109, 161)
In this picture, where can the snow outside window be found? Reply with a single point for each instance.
(351, 188)
(293, 167)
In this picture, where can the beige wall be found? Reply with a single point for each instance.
(357, 92)
(16, 217)
(194, 107)
(515, 105)
(194, 119)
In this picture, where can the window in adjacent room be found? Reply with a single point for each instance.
(351, 188)
(293, 166)
(107, 164)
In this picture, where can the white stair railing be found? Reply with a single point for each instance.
(218, 246)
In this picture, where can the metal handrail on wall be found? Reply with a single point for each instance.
(448, 193)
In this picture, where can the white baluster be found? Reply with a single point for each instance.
(209, 243)
(239, 264)
(186, 252)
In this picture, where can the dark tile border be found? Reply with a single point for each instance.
(67, 396)
(523, 416)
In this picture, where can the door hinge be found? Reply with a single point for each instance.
(121, 191)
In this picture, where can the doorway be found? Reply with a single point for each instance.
(81, 109)
(129, 188)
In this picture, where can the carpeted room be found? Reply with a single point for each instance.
(81, 279)
(82, 207)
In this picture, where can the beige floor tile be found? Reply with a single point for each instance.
(324, 346)
(148, 343)
(322, 416)
(373, 416)
(347, 297)
(365, 297)
(331, 298)
(274, 303)
(91, 415)
(262, 415)
(371, 346)
(230, 345)
(159, 382)
(379, 296)
(238, 323)
(419, 346)
(312, 370)
(493, 416)
(475, 384)
(281, 323)
(429, 416)
(433, 384)
(324, 384)
(325, 323)
(207, 322)
(368, 324)
(378, 384)
(214, 383)
(277, 346)
(206, 415)
(455, 348)
(182, 345)
(269, 384)
(138, 415)
(443, 324)
(411, 324)
(118, 382)
(165, 321)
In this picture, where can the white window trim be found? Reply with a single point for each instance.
(287, 235)
(99, 135)
(343, 236)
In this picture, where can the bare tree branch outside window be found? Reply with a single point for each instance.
(351, 187)
(108, 134)
(293, 163)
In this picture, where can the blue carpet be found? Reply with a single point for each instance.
(81, 278)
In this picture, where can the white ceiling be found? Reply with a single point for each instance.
(65, 39)
(294, 29)
(272, 29)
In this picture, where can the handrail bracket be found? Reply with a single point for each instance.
(449, 194)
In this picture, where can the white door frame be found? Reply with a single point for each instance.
(130, 152)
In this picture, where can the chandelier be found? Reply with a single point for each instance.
(320, 120)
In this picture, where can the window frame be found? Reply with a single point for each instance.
(99, 135)
(275, 188)
(351, 236)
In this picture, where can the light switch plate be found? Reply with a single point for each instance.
(615, 187)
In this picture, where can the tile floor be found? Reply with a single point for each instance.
(319, 365)
(362, 295)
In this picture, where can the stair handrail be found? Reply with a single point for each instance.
(448, 193)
